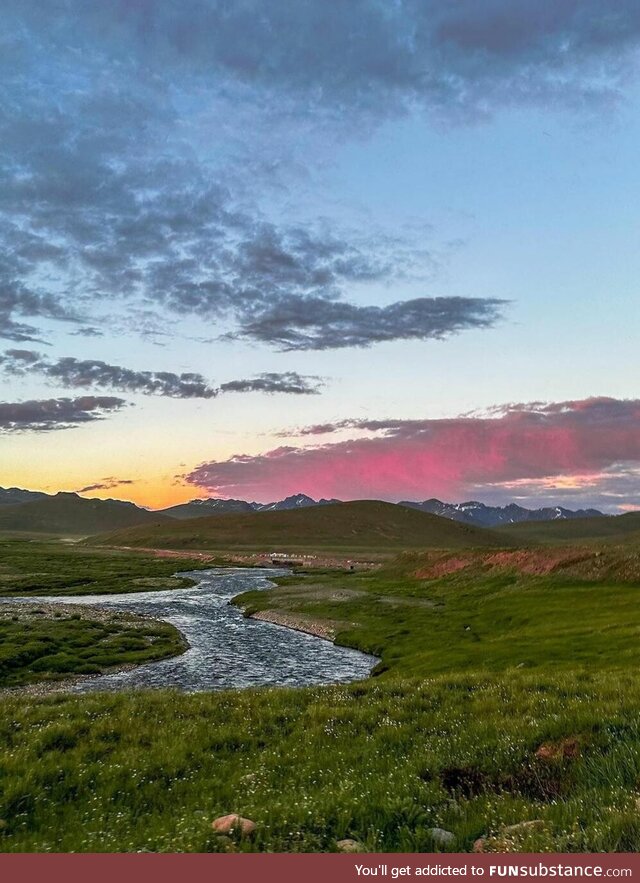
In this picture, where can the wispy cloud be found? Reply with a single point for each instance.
(90, 373)
(106, 484)
(288, 382)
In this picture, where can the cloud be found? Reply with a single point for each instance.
(41, 415)
(455, 458)
(375, 59)
(289, 382)
(111, 195)
(313, 323)
(106, 484)
(106, 201)
(90, 373)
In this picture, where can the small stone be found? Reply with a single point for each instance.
(478, 845)
(524, 827)
(349, 845)
(233, 823)
(441, 837)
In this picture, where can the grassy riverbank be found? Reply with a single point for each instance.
(435, 613)
(52, 644)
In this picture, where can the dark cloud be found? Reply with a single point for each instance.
(367, 57)
(312, 323)
(106, 199)
(289, 382)
(41, 415)
(93, 212)
(514, 451)
(90, 373)
(17, 300)
(106, 484)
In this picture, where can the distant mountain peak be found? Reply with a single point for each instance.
(481, 515)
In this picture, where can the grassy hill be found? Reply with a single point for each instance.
(605, 529)
(69, 514)
(362, 524)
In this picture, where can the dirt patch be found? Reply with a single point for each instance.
(536, 779)
(565, 749)
(326, 629)
(575, 562)
(444, 567)
(537, 562)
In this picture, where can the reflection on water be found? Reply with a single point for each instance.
(226, 649)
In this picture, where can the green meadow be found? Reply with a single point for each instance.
(507, 693)
(29, 566)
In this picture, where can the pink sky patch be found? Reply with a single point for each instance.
(450, 458)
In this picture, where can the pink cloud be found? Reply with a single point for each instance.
(409, 459)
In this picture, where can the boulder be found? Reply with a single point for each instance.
(441, 837)
(233, 824)
(349, 845)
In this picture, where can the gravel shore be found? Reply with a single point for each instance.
(298, 623)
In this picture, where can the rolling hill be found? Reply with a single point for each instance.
(604, 529)
(361, 524)
(69, 514)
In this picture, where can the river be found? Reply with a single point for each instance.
(226, 649)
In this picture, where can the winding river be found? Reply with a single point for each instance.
(226, 650)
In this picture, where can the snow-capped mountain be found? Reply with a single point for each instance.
(474, 512)
(297, 501)
(204, 508)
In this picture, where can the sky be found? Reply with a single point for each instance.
(357, 249)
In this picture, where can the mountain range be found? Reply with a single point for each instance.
(204, 508)
(23, 510)
(481, 515)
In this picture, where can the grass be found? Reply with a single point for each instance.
(29, 567)
(382, 762)
(35, 647)
(503, 696)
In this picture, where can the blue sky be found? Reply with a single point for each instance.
(272, 198)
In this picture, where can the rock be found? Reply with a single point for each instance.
(349, 845)
(478, 845)
(441, 837)
(233, 824)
